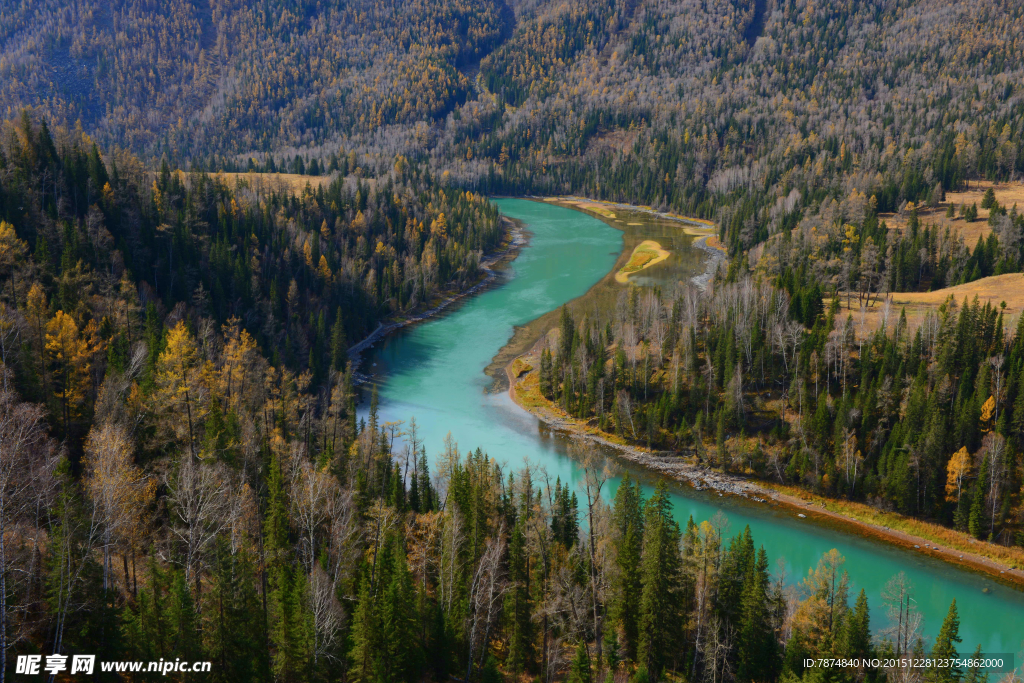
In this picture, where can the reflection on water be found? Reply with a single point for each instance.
(434, 372)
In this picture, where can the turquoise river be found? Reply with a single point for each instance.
(434, 371)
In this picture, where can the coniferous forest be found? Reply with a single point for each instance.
(183, 473)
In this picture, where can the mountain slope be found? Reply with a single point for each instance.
(753, 114)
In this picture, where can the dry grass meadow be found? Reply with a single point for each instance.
(1007, 194)
(278, 182)
(997, 289)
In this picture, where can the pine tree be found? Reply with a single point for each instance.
(339, 351)
(365, 636)
(579, 670)
(385, 638)
(545, 373)
(857, 635)
(148, 628)
(185, 619)
(400, 657)
(518, 607)
(976, 674)
(976, 522)
(628, 515)
(235, 621)
(660, 577)
(758, 649)
(945, 648)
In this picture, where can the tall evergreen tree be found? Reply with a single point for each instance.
(945, 648)
(659, 619)
(518, 604)
(758, 657)
(629, 521)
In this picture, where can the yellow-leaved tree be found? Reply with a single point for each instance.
(180, 396)
(819, 617)
(12, 249)
(37, 311)
(68, 352)
(119, 491)
(956, 471)
(240, 364)
(324, 269)
(988, 408)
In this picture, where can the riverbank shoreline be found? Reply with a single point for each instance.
(804, 505)
(518, 237)
(699, 223)
(716, 256)
(702, 478)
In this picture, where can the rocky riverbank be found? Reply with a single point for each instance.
(715, 257)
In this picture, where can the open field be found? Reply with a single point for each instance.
(1007, 194)
(646, 254)
(995, 290)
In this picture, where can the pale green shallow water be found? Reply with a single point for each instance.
(434, 371)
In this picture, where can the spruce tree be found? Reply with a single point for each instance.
(579, 671)
(976, 522)
(659, 619)
(628, 517)
(976, 674)
(518, 607)
(339, 350)
(857, 630)
(400, 657)
(945, 648)
(365, 635)
(758, 649)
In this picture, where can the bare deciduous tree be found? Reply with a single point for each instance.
(198, 495)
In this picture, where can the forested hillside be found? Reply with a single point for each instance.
(756, 115)
(182, 471)
(183, 475)
(190, 79)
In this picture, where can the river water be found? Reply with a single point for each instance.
(434, 372)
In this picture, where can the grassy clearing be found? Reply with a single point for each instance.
(713, 242)
(528, 389)
(291, 182)
(995, 290)
(1007, 194)
(520, 367)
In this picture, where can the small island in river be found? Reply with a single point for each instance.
(645, 255)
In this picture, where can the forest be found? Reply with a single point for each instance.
(776, 371)
(754, 118)
(754, 115)
(182, 469)
(182, 472)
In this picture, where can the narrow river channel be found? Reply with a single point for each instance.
(434, 372)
